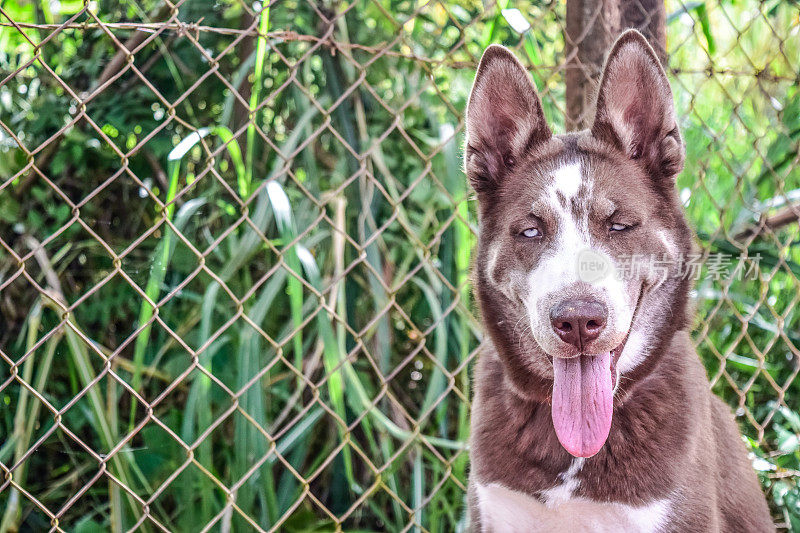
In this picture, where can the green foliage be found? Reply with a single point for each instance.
(271, 321)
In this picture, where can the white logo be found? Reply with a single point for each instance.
(591, 266)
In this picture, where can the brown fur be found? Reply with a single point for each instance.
(657, 447)
(670, 436)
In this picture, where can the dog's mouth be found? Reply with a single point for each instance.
(583, 398)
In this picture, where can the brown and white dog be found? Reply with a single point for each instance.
(592, 411)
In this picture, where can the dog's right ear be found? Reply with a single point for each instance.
(504, 118)
(635, 112)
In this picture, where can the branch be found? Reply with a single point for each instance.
(784, 217)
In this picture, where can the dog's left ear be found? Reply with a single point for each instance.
(635, 112)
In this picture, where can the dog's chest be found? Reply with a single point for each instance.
(503, 510)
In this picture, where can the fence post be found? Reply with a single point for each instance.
(592, 26)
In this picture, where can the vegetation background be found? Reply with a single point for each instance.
(234, 265)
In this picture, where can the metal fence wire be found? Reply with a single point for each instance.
(235, 242)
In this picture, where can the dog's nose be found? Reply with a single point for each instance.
(579, 322)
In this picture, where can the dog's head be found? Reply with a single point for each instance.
(571, 230)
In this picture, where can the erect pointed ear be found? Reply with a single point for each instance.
(504, 118)
(634, 107)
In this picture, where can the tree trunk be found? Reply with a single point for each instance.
(592, 27)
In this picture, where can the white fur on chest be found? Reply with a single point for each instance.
(503, 510)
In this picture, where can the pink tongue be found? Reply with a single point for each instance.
(582, 402)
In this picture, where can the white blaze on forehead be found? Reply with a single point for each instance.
(567, 179)
(572, 236)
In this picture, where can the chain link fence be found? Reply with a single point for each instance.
(235, 242)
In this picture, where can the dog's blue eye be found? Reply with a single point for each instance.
(618, 227)
(531, 233)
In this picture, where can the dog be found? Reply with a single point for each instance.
(592, 411)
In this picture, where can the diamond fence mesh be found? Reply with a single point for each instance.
(235, 241)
